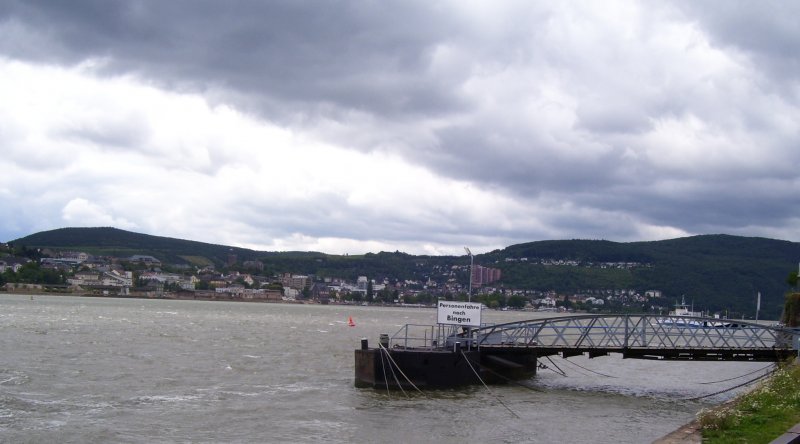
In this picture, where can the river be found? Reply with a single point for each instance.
(80, 369)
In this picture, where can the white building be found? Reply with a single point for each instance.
(102, 279)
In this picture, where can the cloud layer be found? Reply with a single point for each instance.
(412, 126)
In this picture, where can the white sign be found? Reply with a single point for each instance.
(458, 313)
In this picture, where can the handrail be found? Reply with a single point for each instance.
(641, 331)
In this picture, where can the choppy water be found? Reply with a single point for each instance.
(141, 371)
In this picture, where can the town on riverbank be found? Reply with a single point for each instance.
(144, 276)
(730, 276)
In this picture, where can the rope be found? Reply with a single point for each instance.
(394, 375)
(561, 372)
(740, 376)
(487, 387)
(579, 372)
(483, 367)
(383, 367)
(589, 370)
(731, 388)
(388, 355)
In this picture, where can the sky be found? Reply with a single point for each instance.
(413, 126)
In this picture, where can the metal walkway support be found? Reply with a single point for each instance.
(645, 337)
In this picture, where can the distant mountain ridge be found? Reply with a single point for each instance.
(115, 242)
(716, 271)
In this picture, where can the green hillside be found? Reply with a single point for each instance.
(108, 241)
(716, 272)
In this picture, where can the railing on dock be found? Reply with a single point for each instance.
(435, 337)
(648, 331)
(422, 336)
(609, 333)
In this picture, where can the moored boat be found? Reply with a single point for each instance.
(685, 317)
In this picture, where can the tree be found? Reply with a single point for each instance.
(791, 310)
(30, 273)
(385, 296)
(424, 298)
(516, 301)
(9, 276)
(792, 279)
(52, 277)
(369, 291)
(240, 280)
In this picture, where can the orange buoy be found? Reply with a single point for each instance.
(350, 322)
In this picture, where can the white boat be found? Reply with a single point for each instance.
(683, 316)
(676, 317)
(683, 310)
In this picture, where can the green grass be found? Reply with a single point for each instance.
(758, 416)
(197, 260)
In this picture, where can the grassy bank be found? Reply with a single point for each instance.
(758, 416)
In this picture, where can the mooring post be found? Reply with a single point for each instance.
(457, 347)
(364, 344)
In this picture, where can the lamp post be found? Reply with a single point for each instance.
(469, 295)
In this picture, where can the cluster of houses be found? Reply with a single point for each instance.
(597, 297)
(575, 263)
(12, 263)
(108, 276)
(112, 278)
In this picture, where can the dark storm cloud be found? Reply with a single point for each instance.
(698, 206)
(280, 54)
(603, 119)
(766, 30)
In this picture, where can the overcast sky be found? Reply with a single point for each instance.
(419, 126)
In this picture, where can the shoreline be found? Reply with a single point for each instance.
(689, 433)
(692, 432)
(170, 297)
(210, 297)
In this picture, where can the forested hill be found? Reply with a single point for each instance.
(717, 272)
(106, 241)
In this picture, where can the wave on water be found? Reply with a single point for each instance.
(30, 404)
(295, 387)
(161, 399)
(13, 377)
(662, 393)
(235, 372)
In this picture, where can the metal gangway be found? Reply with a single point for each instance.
(638, 336)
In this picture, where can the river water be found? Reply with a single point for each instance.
(78, 369)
